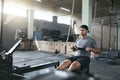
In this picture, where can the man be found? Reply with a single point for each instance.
(83, 47)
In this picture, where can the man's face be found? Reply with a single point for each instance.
(83, 32)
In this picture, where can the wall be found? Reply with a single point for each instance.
(40, 24)
(12, 23)
(108, 37)
(51, 46)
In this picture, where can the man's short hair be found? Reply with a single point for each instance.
(85, 27)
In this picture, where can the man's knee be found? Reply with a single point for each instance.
(67, 61)
(76, 64)
(65, 64)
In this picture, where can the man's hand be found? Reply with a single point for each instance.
(89, 49)
(73, 48)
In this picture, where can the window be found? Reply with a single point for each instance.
(64, 20)
(15, 11)
(42, 15)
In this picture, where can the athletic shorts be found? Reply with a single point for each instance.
(84, 61)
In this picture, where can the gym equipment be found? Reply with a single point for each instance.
(77, 48)
(6, 62)
(118, 55)
(10, 72)
(28, 68)
(62, 75)
(113, 59)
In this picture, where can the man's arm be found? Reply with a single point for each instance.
(94, 50)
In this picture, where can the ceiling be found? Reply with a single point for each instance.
(103, 7)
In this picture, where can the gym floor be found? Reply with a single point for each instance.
(99, 68)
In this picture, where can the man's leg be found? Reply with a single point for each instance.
(74, 66)
(65, 64)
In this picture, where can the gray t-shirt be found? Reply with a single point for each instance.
(84, 43)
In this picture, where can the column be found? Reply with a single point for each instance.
(30, 16)
(118, 35)
(87, 14)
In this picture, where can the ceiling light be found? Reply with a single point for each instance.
(65, 9)
(39, 0)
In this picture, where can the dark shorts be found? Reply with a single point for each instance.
(84, 61)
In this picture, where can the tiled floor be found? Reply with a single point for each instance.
(101, 69)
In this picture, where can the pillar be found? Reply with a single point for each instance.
(87, 14)
(118, 34)
(30, 16)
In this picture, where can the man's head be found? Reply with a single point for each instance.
(84, 30)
